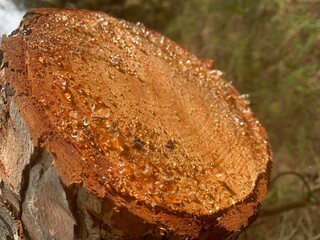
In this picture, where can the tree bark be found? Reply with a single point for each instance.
(112, 131)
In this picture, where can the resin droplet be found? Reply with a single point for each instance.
(67, 95)
(114, 60)
(86, 121)
(74, 134)
(102, 113)
(73, 114)
(41, 59)
(216, 73)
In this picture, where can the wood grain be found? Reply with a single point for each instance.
(115, 130)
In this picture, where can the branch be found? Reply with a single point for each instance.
(283, 207)
(305, 201)
(302, 178)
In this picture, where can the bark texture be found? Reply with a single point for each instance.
(112, 131)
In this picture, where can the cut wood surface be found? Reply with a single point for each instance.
(112, 131)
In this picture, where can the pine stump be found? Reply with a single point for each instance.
(112, 131)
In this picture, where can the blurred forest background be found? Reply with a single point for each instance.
(270, 50)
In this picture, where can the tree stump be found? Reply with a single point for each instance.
(112, 131)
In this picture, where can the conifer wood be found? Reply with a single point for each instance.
(110, 130)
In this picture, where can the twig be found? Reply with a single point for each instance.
(302, 178)
(287, 206)
(283, 207)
